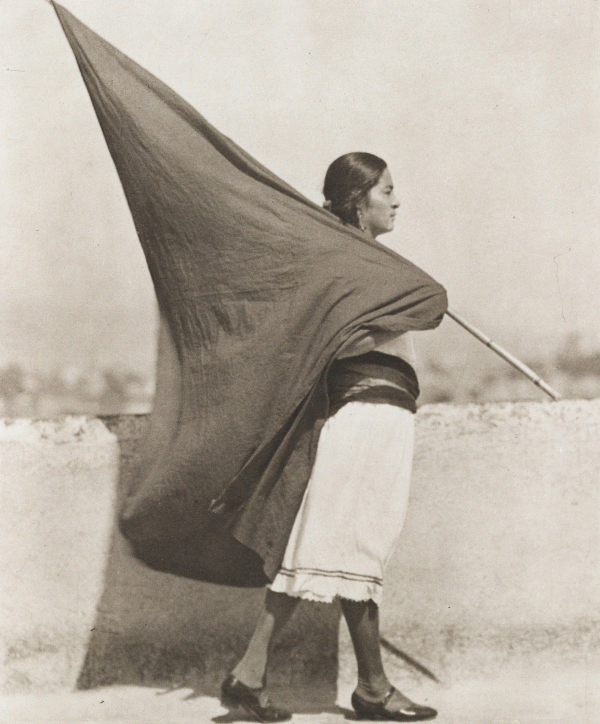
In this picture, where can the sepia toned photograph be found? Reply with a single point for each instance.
(300, 361)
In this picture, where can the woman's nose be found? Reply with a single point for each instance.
(395, 203)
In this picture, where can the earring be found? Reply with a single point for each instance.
(360, 222)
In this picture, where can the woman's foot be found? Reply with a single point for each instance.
(255, 701)
(394, 706)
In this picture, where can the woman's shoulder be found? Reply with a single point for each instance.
(398, 345)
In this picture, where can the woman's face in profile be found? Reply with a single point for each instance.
(379, 211)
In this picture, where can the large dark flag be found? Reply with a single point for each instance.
(258, 289)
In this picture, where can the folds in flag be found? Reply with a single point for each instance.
(258, 290)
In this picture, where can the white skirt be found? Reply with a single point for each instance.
(354, 505)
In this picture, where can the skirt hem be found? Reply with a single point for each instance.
(326, 588)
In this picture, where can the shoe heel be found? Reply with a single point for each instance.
(228, 702)
(360, 712)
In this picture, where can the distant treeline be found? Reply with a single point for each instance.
(573, 372)
(70, 390)
(96, 391)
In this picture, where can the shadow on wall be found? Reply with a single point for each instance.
(153, 628)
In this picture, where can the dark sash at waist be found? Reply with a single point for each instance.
(373, 377)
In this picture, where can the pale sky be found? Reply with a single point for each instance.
(488, 114)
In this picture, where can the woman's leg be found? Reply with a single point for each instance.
(362, 618)
(374, 697)
(276, 612)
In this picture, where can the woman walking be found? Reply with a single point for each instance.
(356, 498)
(277, 319)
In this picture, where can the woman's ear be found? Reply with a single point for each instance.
(360, 212)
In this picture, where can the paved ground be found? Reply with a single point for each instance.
(565, 698)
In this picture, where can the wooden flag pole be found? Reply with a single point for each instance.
(536, 379)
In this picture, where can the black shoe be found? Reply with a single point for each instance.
(378, 710)
(254, 701)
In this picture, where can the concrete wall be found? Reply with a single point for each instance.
(57, 491)
(497, 564)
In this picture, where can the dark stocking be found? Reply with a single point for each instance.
(362, 618)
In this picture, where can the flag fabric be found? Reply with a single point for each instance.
(258, 290)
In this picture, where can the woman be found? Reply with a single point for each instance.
(356, 498)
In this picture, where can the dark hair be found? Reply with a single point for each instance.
(348, 181)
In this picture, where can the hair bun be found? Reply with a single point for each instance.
(348, 181)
